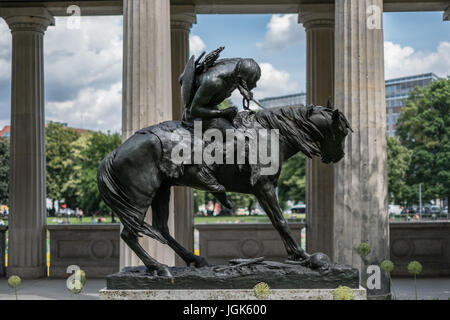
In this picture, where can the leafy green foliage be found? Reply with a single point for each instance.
(292, 183)
(60, 164)
(72, 162)
(424, 128)
(98, 146)
(4, 171)
(399, 159)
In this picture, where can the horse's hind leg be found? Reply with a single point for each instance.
(151, 264)
(160, 216)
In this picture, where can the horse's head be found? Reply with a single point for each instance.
(334, 128)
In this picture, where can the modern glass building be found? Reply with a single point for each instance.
(396, 91)
(284, 101)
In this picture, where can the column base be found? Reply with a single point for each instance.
(27, 272)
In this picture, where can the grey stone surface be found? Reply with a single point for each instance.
(319, 27)
(219, 243)
(181, 20)
(115, 7)
(227, 294)
(26, 249)
(94, 248)
(360, 204)
(245, 276)
(426, 242)
(50, 289)
(147, 93)
(2, 250)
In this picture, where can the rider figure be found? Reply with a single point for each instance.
(214, 81)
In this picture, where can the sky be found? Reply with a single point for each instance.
(83, 68)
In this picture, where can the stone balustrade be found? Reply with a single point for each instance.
(222, 242)
(92, 247)
(3, 230)
(426, 242)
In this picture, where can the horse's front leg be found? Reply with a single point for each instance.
(266, 195)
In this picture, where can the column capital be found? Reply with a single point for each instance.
(316, 16)
(35, 19)
(182, 17)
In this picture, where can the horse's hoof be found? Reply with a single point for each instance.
(201, 262)
(164, 272)
(228, 204)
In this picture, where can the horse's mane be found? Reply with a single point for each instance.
(295, 127)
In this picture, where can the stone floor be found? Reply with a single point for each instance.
(46, 289)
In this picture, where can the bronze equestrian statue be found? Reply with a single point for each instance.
(139, 174)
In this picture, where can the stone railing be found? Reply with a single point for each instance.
(222, 242)
(426, 242)
(92, 247)
(2, 250)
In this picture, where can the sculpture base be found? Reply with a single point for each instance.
(225, 294)
(240, 274)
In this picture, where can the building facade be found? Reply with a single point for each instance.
(397, 90)
(284, 101)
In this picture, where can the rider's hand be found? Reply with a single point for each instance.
(230, 113)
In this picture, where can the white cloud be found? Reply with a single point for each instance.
(405, 61)
(91, 109)
(273, 82)
(83, 73)
(282, 31)
(5, 51)
(196, 45)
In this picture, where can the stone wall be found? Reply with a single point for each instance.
(94, 248)
(222, 242)
(2, 250)
(426, 242)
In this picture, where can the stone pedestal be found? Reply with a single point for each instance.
(319, 26)
(181, 20)
(225, 294)
(147, 91)
(26, 252)
(360, 188)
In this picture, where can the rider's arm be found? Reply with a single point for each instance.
(200, 107)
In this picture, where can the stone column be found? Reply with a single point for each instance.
(147, 91)
(27, 245)
(319, 26)
(182, 19)
(360, 179)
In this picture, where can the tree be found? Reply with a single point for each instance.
(424, 128)
(59, 162)
(99, 145)
(399, 159)
(4, 171)
(292, 182)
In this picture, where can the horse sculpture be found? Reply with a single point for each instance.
(132, 178)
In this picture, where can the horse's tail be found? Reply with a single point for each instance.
(115, 197)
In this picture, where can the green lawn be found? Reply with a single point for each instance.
(248, 219)
(197, 220)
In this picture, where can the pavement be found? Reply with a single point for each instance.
(54, 289)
